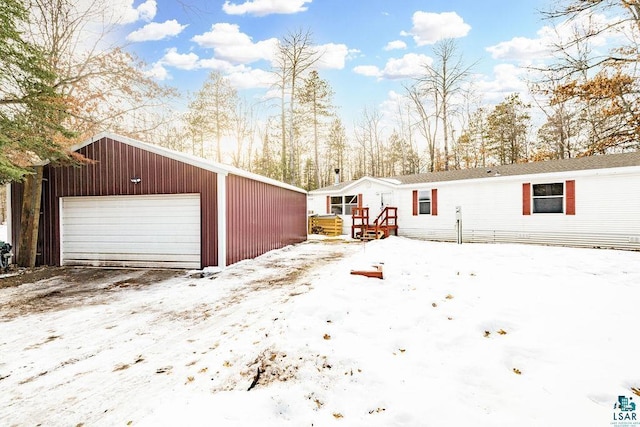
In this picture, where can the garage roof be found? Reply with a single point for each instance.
(187, 158)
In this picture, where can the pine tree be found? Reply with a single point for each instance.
(31, 111)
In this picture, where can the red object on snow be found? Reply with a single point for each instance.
(377, 272)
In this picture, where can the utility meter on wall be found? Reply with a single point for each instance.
(459, 224)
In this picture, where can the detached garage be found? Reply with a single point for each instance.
(160, 230)
(140, 205)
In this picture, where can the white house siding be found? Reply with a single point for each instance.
(372, 193)
(607, 210)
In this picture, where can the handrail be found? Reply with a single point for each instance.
(381, 223)
(385, 212)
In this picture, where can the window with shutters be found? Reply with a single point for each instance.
(548, 198)
(424, 202)
(342, 205)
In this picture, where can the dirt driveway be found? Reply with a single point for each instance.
(58, 288)
(78, 344)
(41, 289)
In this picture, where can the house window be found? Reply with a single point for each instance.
(349, 203)
(342, 205)
(548, 198)
(424, 202)
(336, 205)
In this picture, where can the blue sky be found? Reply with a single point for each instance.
(371, 47)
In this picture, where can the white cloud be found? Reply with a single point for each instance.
(183, 61)
(251, 79)
(158, 72)
(429, 28)
(129, 14)
(527, 50)
(396, 44)
(156, 31)
(390, 107)
(219, 65)
(265, 7)
(410, 65)
(229, 43)
(333, 56)
(147, 10)
(240, 76)
(368, 70)
(520, 48)
(507, 79)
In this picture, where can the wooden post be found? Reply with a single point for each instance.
(30, 219)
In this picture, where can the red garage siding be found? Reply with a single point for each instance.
(262, 217)
(115, 164)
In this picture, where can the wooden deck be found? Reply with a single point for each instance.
(385, 224)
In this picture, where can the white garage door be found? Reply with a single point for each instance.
(131, 231)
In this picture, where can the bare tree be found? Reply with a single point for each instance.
(315, 99)
(625, 13)
(602, 85)
(443, 81)
(102, 85)
(243, 130)
(337, 146)
(266, 160)
(368, 135)
(210, 114)
(559, 136)
(195, 126)
(508, 125)
(400, 158)
(106, 86)
(296, 54)
(427, 121)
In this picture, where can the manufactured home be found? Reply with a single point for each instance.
(587, 202)
(141, 205)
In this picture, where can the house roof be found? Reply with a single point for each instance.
(187, 158)
(347, 184)
(606, 161)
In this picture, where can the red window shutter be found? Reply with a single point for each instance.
(359, 200)
(571, 197)
(526, 199)
(434, 201)
(415, 202)
(328, 204)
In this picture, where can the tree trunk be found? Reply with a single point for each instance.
(30, 219)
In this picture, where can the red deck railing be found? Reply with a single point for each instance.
(385, 224)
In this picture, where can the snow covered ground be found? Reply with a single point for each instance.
(473, 334)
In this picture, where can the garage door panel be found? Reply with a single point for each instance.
(129, 215)
(105, 248)
(110, 238)
(130, 264)
(115, 211)
(130, 257)
(136, 231)
(140, 201)
(128, 229)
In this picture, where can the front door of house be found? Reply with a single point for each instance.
(386, 199)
